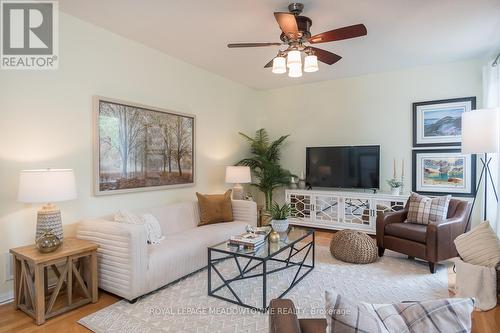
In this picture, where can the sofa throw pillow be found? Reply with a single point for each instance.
(215, 208)
(425, 210)
(443, 315)
(150, 223)
(480, 246)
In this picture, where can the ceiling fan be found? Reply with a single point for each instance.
(297, 37)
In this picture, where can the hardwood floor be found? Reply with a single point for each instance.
(18, 322)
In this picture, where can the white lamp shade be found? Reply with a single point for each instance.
(293, 58)
(279, 65)
(46, 185)
(311, 64)
(481, 131)
(238, 174)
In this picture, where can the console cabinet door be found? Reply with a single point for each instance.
(356, 212)
(326, 209)
(302, 206)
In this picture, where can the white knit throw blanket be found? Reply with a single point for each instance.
(479, 282)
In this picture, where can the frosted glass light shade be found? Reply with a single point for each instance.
(293, 58)
(311, 64)
(481, 131)
(238, 174)
(46, 185)
(279, 65)
(295, 71)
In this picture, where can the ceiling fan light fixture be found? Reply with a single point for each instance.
(295, 71)
(311, 63)
(293, 58)
(279, 65)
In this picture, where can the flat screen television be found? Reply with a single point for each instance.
(350, 167)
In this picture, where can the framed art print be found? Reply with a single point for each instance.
(444, 171)
(141, 148)
(439, 123)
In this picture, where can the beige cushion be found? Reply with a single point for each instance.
(480, 246)
(215, 208)
(424, 210)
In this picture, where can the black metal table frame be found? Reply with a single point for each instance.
(261, 261)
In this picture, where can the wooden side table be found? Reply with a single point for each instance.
(73, 264)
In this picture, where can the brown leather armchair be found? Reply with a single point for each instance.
(432, 242)
(283, 319)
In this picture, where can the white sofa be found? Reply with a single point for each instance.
(130, 267)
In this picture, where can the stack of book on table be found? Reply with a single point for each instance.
(248, 240)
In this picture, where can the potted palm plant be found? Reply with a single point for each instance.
(279, 215)
(264, 163)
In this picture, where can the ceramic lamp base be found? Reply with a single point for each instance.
(49, 218)
(238, 192)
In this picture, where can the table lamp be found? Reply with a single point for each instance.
(47, 186)
(481, 135)
(238, 175)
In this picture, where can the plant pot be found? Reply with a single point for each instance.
(280, 225)
(395, 190)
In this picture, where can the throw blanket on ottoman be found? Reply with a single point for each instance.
(478, 282)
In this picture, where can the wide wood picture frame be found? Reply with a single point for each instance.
(439, 123)
(157, 145)
(444, 171)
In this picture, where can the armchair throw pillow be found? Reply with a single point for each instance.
(215, 208)
(425, 210)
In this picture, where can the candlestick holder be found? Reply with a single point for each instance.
(402, 188)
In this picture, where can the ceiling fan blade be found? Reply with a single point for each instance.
(269, 64)
(234, 45)
(352, 31)
(287, 23)
(326, 56)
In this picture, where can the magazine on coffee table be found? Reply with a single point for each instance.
(248, 239)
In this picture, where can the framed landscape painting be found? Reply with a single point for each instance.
(141, 148)
(439, 123)
(446, 171)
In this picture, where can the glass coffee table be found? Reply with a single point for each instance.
(294, 252)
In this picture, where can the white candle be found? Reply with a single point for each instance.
(394, 169)
(402, 168)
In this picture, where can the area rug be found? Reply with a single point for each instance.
(185, 306)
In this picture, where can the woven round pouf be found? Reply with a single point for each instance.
(353, 246)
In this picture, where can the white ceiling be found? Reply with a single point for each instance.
(401, 33)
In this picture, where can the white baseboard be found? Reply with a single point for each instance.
(6, 297)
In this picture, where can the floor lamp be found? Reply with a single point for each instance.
(481, 135)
